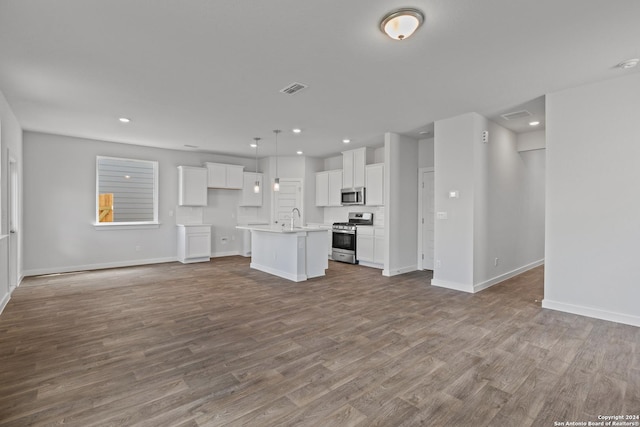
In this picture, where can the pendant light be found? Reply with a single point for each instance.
(256, 187)
(276, 182)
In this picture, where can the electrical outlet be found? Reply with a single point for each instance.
(224, 240)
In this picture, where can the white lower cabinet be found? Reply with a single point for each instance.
(194, 243)
(370, 246)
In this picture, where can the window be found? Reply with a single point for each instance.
(126, 192)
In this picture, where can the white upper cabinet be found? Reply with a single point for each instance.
(374, 182)
(249, 196)
(353, 165)
(225, 176)
(192, 186)
(328, 186)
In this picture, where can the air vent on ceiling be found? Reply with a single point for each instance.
(294, 88)
(516, 115)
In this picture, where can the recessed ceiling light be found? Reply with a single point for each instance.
(536, 123)
(124, 120)
(127, 176)
(299, 152)
(253, 145)
(424, 132)
(401, 23)
(629, 63)
(296, 130)
(346, 140)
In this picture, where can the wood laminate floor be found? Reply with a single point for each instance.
(217, 344)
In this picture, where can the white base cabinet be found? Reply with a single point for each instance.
(194, 243)
(370, 246)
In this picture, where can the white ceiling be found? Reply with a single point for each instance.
(208, 73)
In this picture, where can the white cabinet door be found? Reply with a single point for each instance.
(235, 177)
(249, 196)
(322, 189)
(364, 248)
(335, 187)
(347, 169)
(217, 175)
(192, 186)
(359, 162)
(225, 176)
(375, 184)
(194, 243)
(364, 244)
(378, 246)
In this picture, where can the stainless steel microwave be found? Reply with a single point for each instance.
(353, 196)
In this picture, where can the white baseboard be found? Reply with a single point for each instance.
(371, 264)
(101, 266)
(595, 313)
(501, 278)
(5, 301)
(400, 270)
(227, 253)
(279, 273)
(464, 287)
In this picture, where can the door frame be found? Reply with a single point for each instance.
(13, 221)
(273, 199)
(421, 172)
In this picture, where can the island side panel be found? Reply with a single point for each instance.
(277, 254)
(316, 257)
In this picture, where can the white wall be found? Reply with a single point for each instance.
(10, 141)
(454, 166)
(59, 204)
(531, 140)
(426, 153)
(401, 204)
(499, 209)
(593, 206)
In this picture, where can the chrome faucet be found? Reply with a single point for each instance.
(293, 218)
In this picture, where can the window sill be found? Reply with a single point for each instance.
(102, 226)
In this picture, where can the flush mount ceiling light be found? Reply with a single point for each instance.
(401, 23)
(629, 63)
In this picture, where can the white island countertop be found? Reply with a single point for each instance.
(297, 253)
(278, 228)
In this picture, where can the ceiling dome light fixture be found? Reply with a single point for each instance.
(401, 23)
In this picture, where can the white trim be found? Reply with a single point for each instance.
(101, 266)
(102, 226)
(371, 264)
(5, 301)
(401, 270)
(227, 253)
(596, 313)
(494, 281)
(279, 273)
(452, 285)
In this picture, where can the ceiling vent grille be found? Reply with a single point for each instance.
(293, 88)
(516, 115)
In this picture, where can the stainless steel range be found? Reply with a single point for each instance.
(343, 247)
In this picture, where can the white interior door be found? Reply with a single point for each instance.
(285, 200)
(428, 226)
(13, 197)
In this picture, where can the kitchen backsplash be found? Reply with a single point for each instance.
(341, 214)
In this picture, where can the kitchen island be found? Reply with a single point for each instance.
(296, 254)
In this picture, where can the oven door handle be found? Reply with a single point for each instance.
(344, 231)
